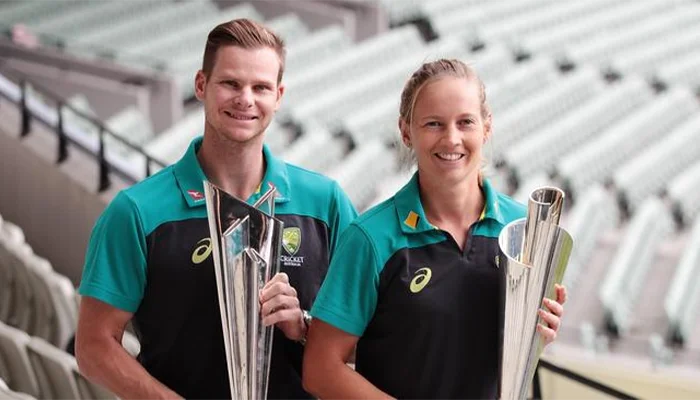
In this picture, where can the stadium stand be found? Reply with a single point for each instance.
(618, 16)
(601, 98)
(584, 122)
(683, 297)
(628, 270)
(594, 213)
(20, 375)
(545, 106)
(601, 47)
(682, 72)
(684, 192)
(39, 317)
(650, 170)
(596, 159)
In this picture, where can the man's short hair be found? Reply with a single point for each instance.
(242, 33)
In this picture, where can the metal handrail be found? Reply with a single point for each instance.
(63, 140)
(537, 387)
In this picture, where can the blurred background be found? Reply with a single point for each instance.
(598, 97)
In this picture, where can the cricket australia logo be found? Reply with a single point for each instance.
(291, 241)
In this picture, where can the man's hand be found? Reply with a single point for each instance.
(553, 316)
(280, 306)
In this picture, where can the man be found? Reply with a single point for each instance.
(149, 258)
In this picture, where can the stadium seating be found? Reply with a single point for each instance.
(8, 394)
(681, 72)
(39, 317)
(597, 158)
(466, 20)
(13, 352)
(348, 66)
(540, 19)
(682, 302)
(317, 150)
(542, 108)
(527, 78)
(541, 147)
(684, 192)
(600, 48)
(649, 171)
(522, 194)
(316, 48)
(27, 12)
(594, 213)
(617, 16)
(88, 16)
(626, 273)
(388, 186)
(53, 369)
(654, 54)
(14, 255)
(358, 172)
(152, 21)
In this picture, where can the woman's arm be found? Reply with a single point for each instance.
(326, 374)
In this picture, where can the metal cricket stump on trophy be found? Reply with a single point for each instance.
(246, 242)
(534, 252)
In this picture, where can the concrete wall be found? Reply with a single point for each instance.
(55, 206)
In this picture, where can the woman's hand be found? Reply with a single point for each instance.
(553, 316)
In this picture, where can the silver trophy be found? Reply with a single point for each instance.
(246, 242)
(534, 252)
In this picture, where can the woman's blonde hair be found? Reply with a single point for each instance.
(433, 70)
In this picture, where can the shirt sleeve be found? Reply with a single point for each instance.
(348, 296)
(115, 263)
(342, 214)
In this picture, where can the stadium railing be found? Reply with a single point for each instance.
(32, 109)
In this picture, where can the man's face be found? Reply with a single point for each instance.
(241, 94)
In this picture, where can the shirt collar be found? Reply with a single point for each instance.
(190, 177)
(492, 207)
(411, 214)
(409, 208)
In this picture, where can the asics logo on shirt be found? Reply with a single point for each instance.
(420, 280)
(202, 251)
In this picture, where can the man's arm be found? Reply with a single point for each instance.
(102, 359)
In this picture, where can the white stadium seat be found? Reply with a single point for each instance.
(626, 274)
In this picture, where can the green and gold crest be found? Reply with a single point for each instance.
(291, 240)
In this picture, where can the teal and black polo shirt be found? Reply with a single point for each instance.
(150, 254)
(426, 312)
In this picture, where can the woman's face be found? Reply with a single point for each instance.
(447, 131)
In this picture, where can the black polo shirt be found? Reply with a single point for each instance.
(427, 313)
(150, 254)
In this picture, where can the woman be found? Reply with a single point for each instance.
(414, 282)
